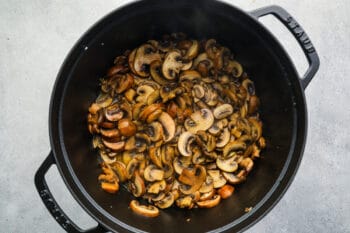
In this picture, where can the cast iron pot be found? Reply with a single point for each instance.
(283, 111)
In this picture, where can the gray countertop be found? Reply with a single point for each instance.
(35, 37)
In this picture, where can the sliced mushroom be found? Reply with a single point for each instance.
(132, 166)
(198, 157)
(156, 187)
(235, 68)
(114, 146)
(110, 133)
(147, 211)
(184, 143)
(119, 169)
(192, 178)
(253, 104)
(168, 126)
(113, 113)
(214, 201)
(144, 91)
(166, 202)
(256, 128)
(156, 72)
(173, 63)
(198, 91)
(192, 51)
(131, 60)
(110, 187)
(144, 56)
(203, 59)
(152, 173)
(185, 202)
(219, 180)
(227, 164)
(234, 146)
(124, 83)
(189, 75)
(232, 178)
(147, 111)
(127, 127)
(170, 91)
(155, 156)
(137, 186)
(247, 163)
(154, 131)
(226, 191)
(224, 138)
(181, 163)
(208, 185)
(200, 120)
(223, 111)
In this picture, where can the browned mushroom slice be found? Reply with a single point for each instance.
(185, 202)
(256, 129)
(226, 191)
(144, 91)
(219, 180)
(184, 143)
(199, 120)
(156, 72)
(198, 91)
(224, 138)
(166, 202)
(235, 68)
(198, 157)
(107, 159)
(144, 56)
(207, 195)
(119, 169)
(114, 146)
(131, 60)
(228, 164)
(247, 163)
(253, 104)
(173, 63)
(234, 146)
(208, 185)
(154, 131)
(189, 75)
(124, 83)
(132, 166)
(206, 141)
(110, 133)
(181, 163)
(113, 113)
(249, 86)
(110, 187)
(156, 187)
(127, 127)
(170, 91)
(155, 156)
(223, 111)
(137, 186)
(147, 211)
(152, 173)
(168, 126)
(214, 201)
(145, 113)
(193, 178)
(232, 178)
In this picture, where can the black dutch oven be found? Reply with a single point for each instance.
(283, 111)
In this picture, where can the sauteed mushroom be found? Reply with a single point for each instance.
(176, 123)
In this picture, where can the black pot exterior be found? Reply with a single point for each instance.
(283, 111)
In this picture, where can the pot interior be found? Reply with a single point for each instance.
(263, 60)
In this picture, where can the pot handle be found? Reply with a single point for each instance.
(299, 34)
(52, 205)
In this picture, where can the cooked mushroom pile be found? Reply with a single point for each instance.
(176, 122)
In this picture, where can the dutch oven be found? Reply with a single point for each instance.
(281, 92)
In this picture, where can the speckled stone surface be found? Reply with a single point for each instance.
(35, 37)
